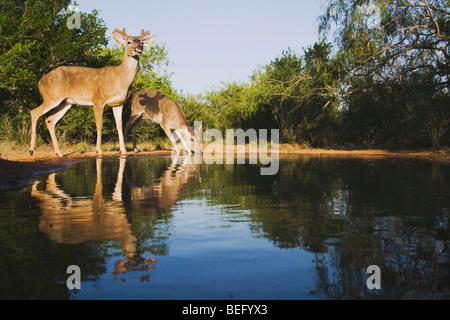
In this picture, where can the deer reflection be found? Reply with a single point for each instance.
(73, 220)
(162, 196)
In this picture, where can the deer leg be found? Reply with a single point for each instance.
(117, 194)
(184, 134)
(35, 114)
(51, 121)
(98, 112)
(171, 137)
(131, 123)
(118, 117)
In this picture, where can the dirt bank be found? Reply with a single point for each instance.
(19, 170)
(430, 154)
(18, 174)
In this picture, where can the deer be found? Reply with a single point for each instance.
(97, 87)
(153, 105)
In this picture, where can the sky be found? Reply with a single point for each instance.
(211, 41)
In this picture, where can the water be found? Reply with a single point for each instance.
(150, 228)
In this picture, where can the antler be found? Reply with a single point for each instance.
(144, 34)
(123, 33)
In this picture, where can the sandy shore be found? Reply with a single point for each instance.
(18, 170)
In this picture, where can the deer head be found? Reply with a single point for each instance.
(133, 45)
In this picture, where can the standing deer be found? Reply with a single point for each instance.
(108, 86)
(153, 105)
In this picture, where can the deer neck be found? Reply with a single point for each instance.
(129, 68)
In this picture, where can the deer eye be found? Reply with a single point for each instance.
(129, 42)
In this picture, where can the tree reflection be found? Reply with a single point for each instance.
(352, 213)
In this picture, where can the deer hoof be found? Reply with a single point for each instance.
(31, 152)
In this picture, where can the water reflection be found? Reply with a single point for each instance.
(342, 214)
(73, 220)
(352, 214)
(170, 187)
(67, 219)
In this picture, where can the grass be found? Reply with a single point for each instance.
(10, 149)
(17, 132)
(158, 143)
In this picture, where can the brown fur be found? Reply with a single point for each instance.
(153, 105)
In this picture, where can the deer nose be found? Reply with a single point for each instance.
(139, 49)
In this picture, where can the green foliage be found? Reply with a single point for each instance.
(15, 129)
(197, 108)
(396, 71)
(79, 124)
(153, 72)
(34, 39)
(234, 105)
(299, 92)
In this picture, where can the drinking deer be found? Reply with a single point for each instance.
(153, 105)
(108, 86)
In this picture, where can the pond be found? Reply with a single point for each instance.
(151, 227)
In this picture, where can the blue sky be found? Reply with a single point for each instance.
(212, 41)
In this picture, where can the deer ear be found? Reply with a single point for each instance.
(119, 38)
(149, 41)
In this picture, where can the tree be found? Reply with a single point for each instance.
(414, 34)
(302, 94)
(198, 108)
(390, 49)
(35, 39)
